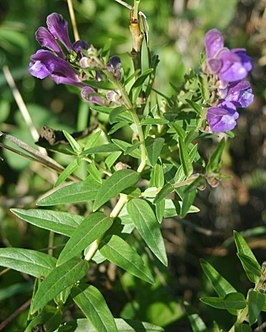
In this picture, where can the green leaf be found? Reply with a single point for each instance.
(184, 158)
(34, 263)
(15, 289)
(94, 172)
(57, 280)
(247, 258)
(196, 107)
(214, 163)
(231, 301)
(74, 193)
(127, 148)
(119, 252)
(112, 158)
(167, 189)
(127, 325)
(93, 305)
(243, 328)
(114, 185)
(221, 286)
(137, 86)
(153, 121)
(147, 225)
(90, 229)
(154, 148)
(71, 168)
(59, 222)
(157, 176)
(196, 322)
(74, 144)
(105, 148)
(187, 202)
(256, 301)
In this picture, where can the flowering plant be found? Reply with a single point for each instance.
(132, 182)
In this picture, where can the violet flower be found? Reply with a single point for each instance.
(52, 62)
(229, 68)
(222, 117)
(229, 65)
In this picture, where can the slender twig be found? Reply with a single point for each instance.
(9, 319)
(125, 4)
(4, 271)
(73, 20)
(21, 105)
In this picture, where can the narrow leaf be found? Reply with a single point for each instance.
(231, 301)
(184, 158)
(243, 250)
(154, 148)
(59, 279)
(93, 304)
(119, 252)
(74, 193)
(243, 328)
(147, 225)
(214, 163)
(256, 301)
(114, 185)
(34, 263)
(71, 168)
(122, 325)
(195, 320)
(90, 229)
(74, 144)
(221, 286)
(59, 222)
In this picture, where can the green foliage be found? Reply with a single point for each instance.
(136, 160)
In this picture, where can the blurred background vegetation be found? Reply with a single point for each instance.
(177, 31)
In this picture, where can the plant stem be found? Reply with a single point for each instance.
(73, 20)
(118, 86)
(115, 212)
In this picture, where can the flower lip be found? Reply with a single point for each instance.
(214, 42)
(222, 117)
(59, 29)
(46, 39)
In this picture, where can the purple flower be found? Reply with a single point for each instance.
(45, 63)
(46, 39)
(239, 93)
(59, 29)
(229, 65)
(235, 65)
(222, 117)
(114, 66)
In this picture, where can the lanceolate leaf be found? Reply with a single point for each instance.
(59, 279)
(34, 263)
(119, 252)
(195, 320)
(121, 324)
(147, 225)
(219, 283)
(88, 231)
(256, 301)
(74, 193)
(154, 148)
(185, 158)
(231, 301)
(59, 222)
(93, 304)
(247, 258)
(114, 185)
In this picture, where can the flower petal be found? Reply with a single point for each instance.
(214, 42)
(46, 39)
(240, 94)
(222, 117)
(59, 29)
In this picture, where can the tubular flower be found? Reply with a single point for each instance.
(53, 62)
(229, 68)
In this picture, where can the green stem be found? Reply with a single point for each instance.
(136, 9)
(118, 86)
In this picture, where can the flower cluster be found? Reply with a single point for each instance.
(229, 68)
(65, 67)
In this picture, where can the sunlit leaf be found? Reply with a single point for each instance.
(147, 225)
(57, 280)
(90, 229)
(119, 252)
(93, 305)
(114, 185)
(27, 261)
